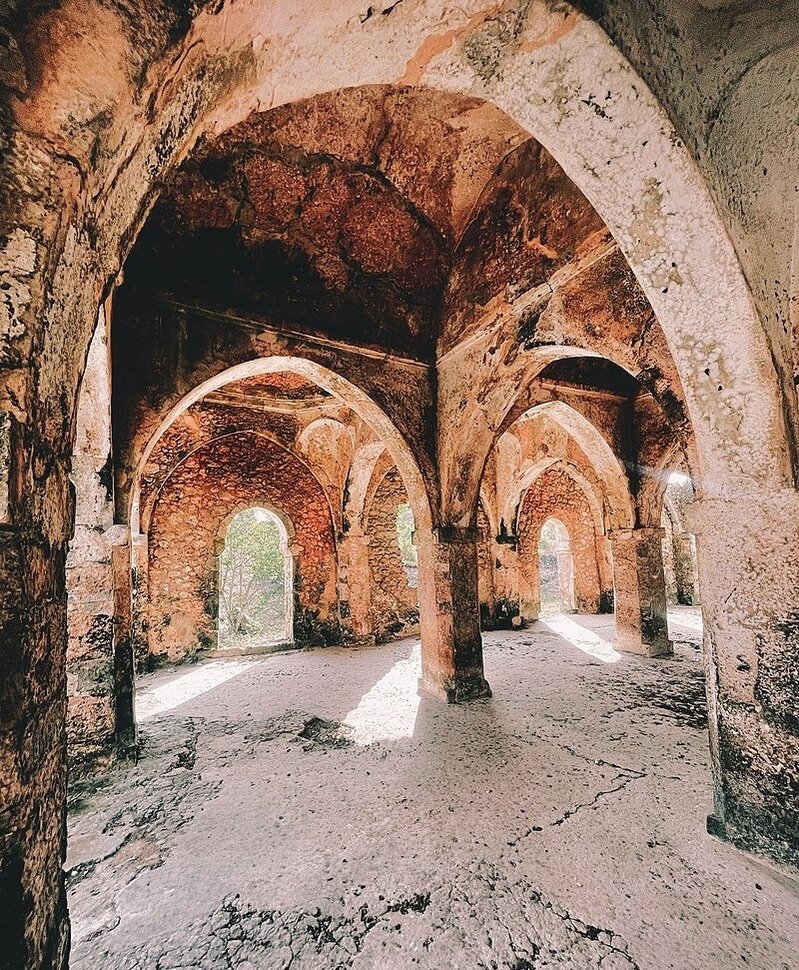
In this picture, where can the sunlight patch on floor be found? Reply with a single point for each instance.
(388, 710)
(585, 640)
(156, 700)
(692, 621)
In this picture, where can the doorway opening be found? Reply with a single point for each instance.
(256, 579)
(556, 569)
(406, 527)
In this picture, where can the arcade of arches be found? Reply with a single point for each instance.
(388, 347)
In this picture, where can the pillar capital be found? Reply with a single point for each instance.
(354, 535)
(456, 535)
(639, 534)
(118, 534)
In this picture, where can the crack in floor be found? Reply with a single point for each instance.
(442, 920)
(246, 841)
(625, 781)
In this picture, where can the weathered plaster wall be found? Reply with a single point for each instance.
(395, 603)
(736, 115)
(219, 479)
(82, 163)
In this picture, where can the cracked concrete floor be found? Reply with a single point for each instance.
(308, 810)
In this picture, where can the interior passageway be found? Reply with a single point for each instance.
(407, 286)
(311, 811)
(256, 579)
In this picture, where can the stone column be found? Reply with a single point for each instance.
(748, 555)
(684, 570)
(355, 585)
(140, 565)
(208, 630)
(452, 645)
(124, 667)
(640, 592)
(508, 610)
(605, 563)
(529, 578)
(91, 605)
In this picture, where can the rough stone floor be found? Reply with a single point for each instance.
(308, 810)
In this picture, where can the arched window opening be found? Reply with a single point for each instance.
(679, 545)
(255, 582)
(556, 569)
(680, 568)
(405, 532)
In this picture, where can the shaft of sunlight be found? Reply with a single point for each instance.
(388, 710)
(585, 640)
(153, 701)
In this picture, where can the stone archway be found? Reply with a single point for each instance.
(555, 568)
(249, 602)
(62, 260)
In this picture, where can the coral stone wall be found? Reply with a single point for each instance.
(485, 571)
(395, 604)
(187, 533)
(555, 494)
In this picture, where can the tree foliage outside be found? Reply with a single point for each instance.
(552, 543)
(554, 537)
(252, 595)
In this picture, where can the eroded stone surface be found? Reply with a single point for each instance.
(557, 824)
(104, 100)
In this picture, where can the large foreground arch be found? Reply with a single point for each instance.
(78, 195)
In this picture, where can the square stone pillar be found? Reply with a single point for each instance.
(684, 570)
(748, 556)
(640, 592)
(452, 645)
(508, 609)
(140, 565)
(355, 584)
(124, 666)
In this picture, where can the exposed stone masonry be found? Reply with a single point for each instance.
(556, 495)
(187, 535)
(395, 604)
(475, 249)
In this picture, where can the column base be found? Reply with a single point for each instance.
(663, 649)
(780, 853)
(455, 690)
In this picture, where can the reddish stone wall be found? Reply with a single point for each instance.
(555, 494)
(485, 570)
(395, 604)
(188, 523)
